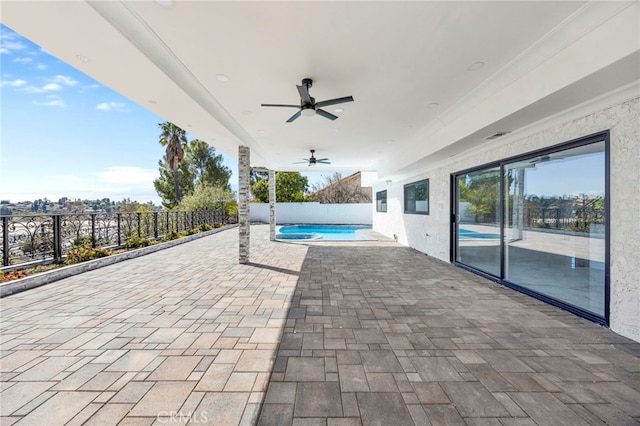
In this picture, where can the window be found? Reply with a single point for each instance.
(538, 222)
(416, 197)
(381, 201)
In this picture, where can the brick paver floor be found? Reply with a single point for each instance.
(307, 334)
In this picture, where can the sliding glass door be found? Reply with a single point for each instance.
(538, 223)
(479, 216)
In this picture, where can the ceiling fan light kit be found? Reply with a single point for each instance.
(308, 105)
(311, 161)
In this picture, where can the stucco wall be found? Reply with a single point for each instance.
(430, 234)
(310, 213)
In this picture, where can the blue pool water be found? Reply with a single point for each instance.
(467, 234)
(322, 232)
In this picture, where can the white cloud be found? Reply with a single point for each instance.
(126, 175)
(66, 178)
(53, 100)
(91, 86)
(51, 87)
(108, 106)
(23, 60)
(8, 45)
(13, 83)
(41, 66)
(66, 80)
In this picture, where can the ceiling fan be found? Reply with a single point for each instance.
(313, 160)
(308, 105)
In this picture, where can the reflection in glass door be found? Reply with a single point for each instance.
(539, 223)
(478, 220)
(555, 225)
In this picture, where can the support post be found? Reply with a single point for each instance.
(272, 205)
(244, 170)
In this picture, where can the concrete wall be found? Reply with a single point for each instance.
(618, 112)
(299, 213)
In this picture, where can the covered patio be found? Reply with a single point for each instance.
(314, 334)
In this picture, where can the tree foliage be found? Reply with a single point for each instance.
(335, 190)
(291, 187)
(175, 140)
(200, 166)
(206, 197)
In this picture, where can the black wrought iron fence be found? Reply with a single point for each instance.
(41, 238)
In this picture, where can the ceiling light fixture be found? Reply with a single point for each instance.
(434, 104)
(82, 58)
(152, 102)
(339, 109)
(475, 66)
(222, 77)
(308, 112)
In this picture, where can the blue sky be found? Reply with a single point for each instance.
(65, 134)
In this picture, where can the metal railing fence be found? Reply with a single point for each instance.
(42, 238)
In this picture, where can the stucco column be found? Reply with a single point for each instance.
(272, 205)
(244, 170)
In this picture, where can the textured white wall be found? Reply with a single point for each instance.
(431, 234)
(301, 213)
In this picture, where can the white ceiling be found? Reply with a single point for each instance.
(405, 63)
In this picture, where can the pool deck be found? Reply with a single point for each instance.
(332, 333)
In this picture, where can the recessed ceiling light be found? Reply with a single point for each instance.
(434, 104)
(151, 101)
(475, 66)
(338, 109)
(222, 77)
(82, 58)
(260, 131)
(165, 3)
(189, 125)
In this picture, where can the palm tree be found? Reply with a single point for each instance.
(175, 139)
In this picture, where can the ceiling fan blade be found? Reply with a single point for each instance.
(280, 105)
(294, 116)
(304, 94)
(301, 162)
(334, 101)
(326, 114)
(324, 161)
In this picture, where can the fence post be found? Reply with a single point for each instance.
(5, 240)
(57, 237)
(166, 224)
(139, 215)
(155, 225)
(93, 230)
(119, 235)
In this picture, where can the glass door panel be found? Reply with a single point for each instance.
(477, 227)
(555, 225)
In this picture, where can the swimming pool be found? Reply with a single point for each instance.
(468, 234)
(323, 233)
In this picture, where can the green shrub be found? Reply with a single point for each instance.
(138, 242)
(191, 232)
(82, 241)
(82, 254)
(205, 227)
(173, 235)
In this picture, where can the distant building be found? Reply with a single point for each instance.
(343, 190)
